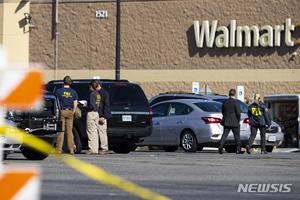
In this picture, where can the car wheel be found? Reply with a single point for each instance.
(269, 148)
(77, 141)
(124, 147)
(170, 149)
(32, 154)
(230, 149)
(133, 147)
(188, 142)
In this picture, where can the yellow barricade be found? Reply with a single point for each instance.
(87, 169)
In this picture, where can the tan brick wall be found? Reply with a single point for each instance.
(14, 34)
(159, 35)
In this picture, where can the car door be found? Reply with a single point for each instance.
(159, 112)
(172, 124)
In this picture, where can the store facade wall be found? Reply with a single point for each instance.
(14, 31)
(158, 45)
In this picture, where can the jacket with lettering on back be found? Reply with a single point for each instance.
(259, 115)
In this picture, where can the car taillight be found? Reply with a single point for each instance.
(150, 113)
(211, 120)
(121, 84)
(246, 121)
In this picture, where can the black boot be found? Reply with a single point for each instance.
(264, 152)
(239, 151)
(248, 149)
(220, 150)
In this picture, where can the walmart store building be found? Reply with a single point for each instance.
(165, 45)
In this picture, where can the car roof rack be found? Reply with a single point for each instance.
(86, 80)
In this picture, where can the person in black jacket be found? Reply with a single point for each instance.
(93, 104)
(104, 113)
(231, 121)
(259, 118)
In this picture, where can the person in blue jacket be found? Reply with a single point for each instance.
(259, 118)
(68, 103)
(92, 118)
(104, 114)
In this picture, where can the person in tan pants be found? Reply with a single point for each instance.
(68, 103)
(92, 118)
(67, 124)
(104, 113)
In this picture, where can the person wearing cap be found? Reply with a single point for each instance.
(68, 103)
(92, 118)
(104, 113)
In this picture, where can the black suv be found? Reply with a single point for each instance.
(131, 114)
(42, 121)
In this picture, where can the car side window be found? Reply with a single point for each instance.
(160, 110)
(243, 106)
(189, 109)
(177, 109)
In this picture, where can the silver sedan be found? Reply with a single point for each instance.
(191, 124)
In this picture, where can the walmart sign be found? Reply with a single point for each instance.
(234, 37)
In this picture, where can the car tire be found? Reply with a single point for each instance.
(188, 142)
(32, 154)
(77, 141)
(124, 147)
(170, 148)
(134, 147)
(269, 148)
(230, 149)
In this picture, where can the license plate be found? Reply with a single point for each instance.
(126, 118)
(2, 139)
(272, 138)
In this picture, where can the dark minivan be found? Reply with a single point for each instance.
(131, 113)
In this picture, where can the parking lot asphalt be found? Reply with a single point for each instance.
(178, 175)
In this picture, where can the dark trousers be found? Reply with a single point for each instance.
(236, 133)
(262, 130)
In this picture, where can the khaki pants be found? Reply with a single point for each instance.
(67, 124)
(92, 120)
(102, 131)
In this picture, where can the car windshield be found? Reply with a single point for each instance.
(210, 106)
(243, 106)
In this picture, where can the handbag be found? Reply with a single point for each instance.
(77, 114)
